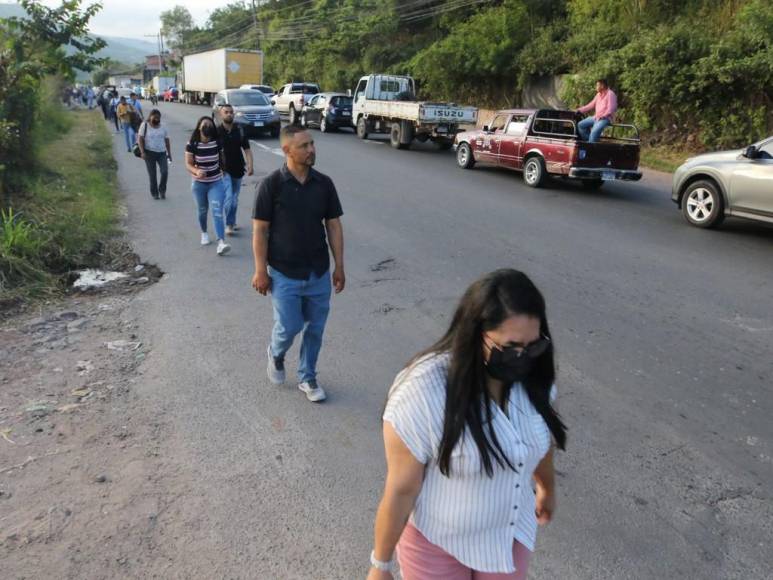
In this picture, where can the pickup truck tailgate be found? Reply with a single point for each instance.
(441, 112)
(613, 155)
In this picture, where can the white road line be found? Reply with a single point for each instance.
(277, 152)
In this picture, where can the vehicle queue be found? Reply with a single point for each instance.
(539, 143)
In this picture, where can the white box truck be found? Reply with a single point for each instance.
(160, 84)
(206, 73)
(387, 104)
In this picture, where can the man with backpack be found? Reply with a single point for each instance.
(295, 206)
(238, 157)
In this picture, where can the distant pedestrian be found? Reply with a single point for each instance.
(90, 97)
(238, 158)
(604, 105)
(294, 208)
(113, 108)
(125, 113)
(204, 161)
(153, 141)
(135, 102)
(469, 427)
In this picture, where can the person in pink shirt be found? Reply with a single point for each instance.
(605, 106)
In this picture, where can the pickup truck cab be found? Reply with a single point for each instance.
(543, 142)
(291, 98)
(387, 104)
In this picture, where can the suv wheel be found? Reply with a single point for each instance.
(464, 157)
(304, 121)
(323, 126)
(293, 115)
(534, 171)
(702, 204)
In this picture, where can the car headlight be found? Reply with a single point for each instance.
(239, 114)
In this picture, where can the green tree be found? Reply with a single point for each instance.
(175, 24)
(32, 48)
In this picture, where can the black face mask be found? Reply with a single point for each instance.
(508, 367)
(155, 123)
(511, 365)
(209, 132)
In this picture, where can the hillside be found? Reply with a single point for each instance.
(706, 86)
(124, 50)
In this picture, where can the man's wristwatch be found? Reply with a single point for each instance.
(379, 565)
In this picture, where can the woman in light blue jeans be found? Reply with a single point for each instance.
(204, 161)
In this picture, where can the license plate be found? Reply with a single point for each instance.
(608, 175)
(258, 124)
(442, 130)
(347, 113)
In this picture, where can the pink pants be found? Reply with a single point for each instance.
(421, 560)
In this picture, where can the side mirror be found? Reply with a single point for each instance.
(273, 101)
(486, 128)
(751, 152)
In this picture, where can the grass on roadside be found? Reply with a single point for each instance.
(663, 158)
(66, 213)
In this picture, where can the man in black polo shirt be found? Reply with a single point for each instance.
(236, 147)
(294, 207)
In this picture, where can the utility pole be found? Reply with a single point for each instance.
(255, 22)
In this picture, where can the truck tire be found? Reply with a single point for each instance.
(534, 171)
(293, 115)
(464, 157)
(362, 128)
(397, 136)
(702, 204)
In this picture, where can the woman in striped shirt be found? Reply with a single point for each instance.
(204, 160)
(469, 431)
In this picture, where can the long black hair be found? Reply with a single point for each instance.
(196, 135)
(486, 304)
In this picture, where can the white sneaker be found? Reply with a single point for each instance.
(229, 231)
(222, 248)
(314, 392)
(205, 239)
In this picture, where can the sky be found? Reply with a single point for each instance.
(136, 18)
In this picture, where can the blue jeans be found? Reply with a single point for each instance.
(233, 186)
(590, 129)
(300, 305)
(128, 133)
(210, 195)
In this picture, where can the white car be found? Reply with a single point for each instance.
(265, 89)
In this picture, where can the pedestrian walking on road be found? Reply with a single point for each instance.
(90, 97)
(204, 161)
(238, 158)
(469, 426)
(135, 102)
(295, 206)
(125, 112)
(113, 109)
(604, 105)
(155, 149)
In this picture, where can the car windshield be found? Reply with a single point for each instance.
(305, 89)
(245, 99)
(341, 101)
(266, 90)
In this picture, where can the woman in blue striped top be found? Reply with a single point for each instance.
(204, 160)
(469, 431)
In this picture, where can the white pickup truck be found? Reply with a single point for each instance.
(387, 104)
(290, 99)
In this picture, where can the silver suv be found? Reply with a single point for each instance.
(730, 183)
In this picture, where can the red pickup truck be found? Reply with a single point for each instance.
(542, 142)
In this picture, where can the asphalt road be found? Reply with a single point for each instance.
(664, 335)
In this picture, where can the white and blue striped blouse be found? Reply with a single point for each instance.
(472, 516)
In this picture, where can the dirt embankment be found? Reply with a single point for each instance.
(88, 486)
